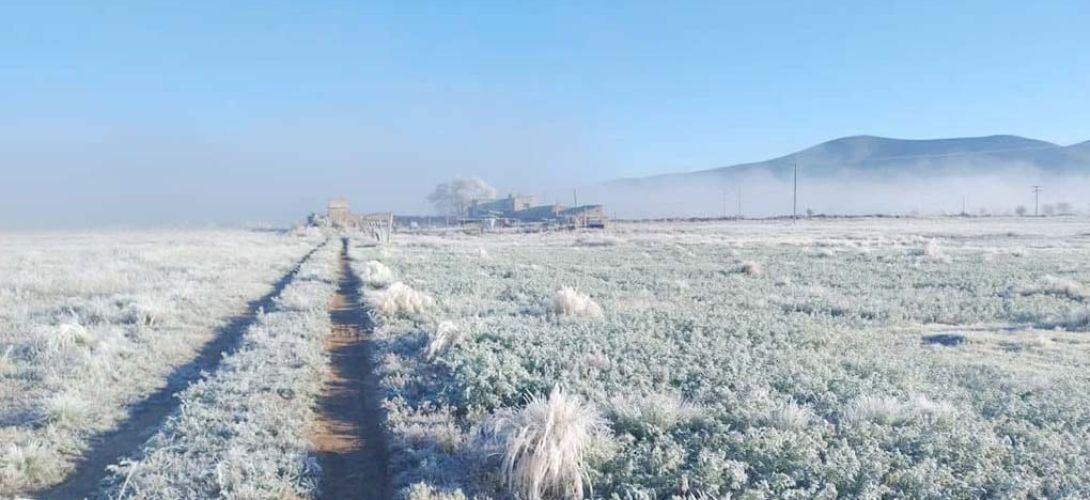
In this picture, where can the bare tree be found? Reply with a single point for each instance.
(1064, 208)
(1021, 210)
(455, 197)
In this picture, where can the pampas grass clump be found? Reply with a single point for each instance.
(446, 334)
(570, 302)
(931, 249)
(376, 274)
(546, 445)
(399, 298)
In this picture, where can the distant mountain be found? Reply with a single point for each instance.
(869, 156)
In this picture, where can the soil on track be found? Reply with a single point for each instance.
(147, 415)
(348, 436)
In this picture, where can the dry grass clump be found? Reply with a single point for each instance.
(661, 411)
(888, 410)
(399, 298)
(67, 410)
(424, 491)
(66, 335)
(570, 302)
(751, 268)
(546, 445)
(26, 464)
(1076, 320)
(376, 274)
(1060, 286)
(931, 249)
(6, 363)
(597, 361)
(446, 335)
(598, 241)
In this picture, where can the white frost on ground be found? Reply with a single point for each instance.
(241, 433)
(874, 364)
(91, 322)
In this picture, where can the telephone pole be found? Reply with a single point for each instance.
(739, 198)
(1036, 200)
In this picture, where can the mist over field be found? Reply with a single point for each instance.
(765, 195)
(872, 175)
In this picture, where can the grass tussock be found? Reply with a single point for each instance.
(570, 302)
(26, 464)
(751, 268)
(446, 335)
(376, 274)
(1062, 287)
(599, 241)
(399, 299)
(546, 445)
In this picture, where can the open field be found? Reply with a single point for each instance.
(856, 358)
(91, 323)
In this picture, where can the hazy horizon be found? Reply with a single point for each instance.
(133, 114)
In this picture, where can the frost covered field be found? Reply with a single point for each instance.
(92, 322)
(858, 358)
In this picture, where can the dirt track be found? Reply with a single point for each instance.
(348, 436)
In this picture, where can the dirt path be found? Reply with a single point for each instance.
(147, 415)
(348, 437)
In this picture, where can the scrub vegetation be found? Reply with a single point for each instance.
(853, 358)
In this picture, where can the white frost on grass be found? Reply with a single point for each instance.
(546, 445)
(568, 301)
(241, 432)
(399, 299)
(106, 315)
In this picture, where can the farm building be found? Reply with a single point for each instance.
(339, 217)
(503, 207)
(521, 210)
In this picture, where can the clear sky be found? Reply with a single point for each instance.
(146, 112)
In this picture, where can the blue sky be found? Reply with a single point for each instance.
(211, 111)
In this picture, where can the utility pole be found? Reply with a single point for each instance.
(795, 196)
(739, 198)
(1036, 200)
(963, 212)
(574, 198)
